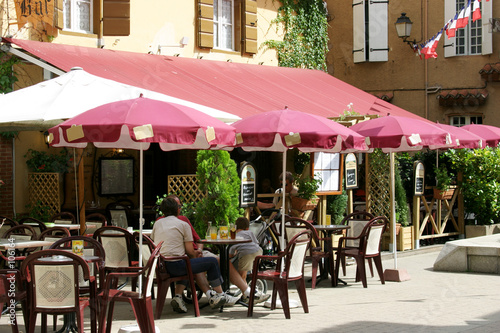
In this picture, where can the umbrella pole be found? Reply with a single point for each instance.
(393, 211)
(141, 219)
(283, 211)
(76, 189)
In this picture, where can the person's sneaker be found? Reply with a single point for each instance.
(178, 304)
(230, 300)
(259, 298)
(216, 300)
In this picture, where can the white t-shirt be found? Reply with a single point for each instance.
(174, 233)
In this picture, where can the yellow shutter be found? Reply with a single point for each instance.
(59, 16)
(250, 30)
(206, 23)
(116, 17)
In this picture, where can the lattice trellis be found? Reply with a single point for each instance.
(378, 183)
(45, 189)
(186, 187)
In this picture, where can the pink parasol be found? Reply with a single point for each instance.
(398, 134)
(490, 134)
(284, 129)
(462, 137)
(134, 123)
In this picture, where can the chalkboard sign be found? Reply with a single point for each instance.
(419, 175)
(248, 177)
(116, 176)
(351, 172)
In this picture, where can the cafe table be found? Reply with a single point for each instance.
(8, 244)
(223, 245)
(328, 231)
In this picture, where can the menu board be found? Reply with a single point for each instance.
(328, 167)
(351, 172)
(419, 175)
(248, 189)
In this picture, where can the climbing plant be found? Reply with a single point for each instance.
(305, 40)
(7, 79)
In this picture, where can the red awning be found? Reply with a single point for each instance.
(240, 89)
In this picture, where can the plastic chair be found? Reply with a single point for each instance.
(19, 232)
(356, 221)
(7, 296)
(315, 253)
(5, 224)
(54, 234)
(39, 225)
(165, 281)
(293, 256)
(63, 217)
(369, 242)
(97, 220)
(54, 286)
(140, 301)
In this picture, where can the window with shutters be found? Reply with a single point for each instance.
(78, 15)
(475, 38)
(370, 31)
(229, 25)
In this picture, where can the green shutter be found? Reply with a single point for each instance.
(250, 26)
(205, 23)
(116, 17)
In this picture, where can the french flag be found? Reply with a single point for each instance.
(463, 17)
(476, 11)
(452, 27)
(432, 52)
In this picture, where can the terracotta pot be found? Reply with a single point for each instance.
(443, 195)
(304, 204)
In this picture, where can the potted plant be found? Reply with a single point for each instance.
(306, 198)
(443, 189)
(40, 161)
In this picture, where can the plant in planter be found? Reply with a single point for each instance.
(306, 197)
(443, 183)
(40, 161)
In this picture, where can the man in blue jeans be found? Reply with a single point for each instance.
(177, 241)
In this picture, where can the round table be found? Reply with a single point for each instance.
(224, 245)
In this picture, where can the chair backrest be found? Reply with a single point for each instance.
(357, 220)
(148, 246)
(21, 232)
(374, 230)
(54, 282)
(295, 254)
(5, 224)
(118, 244)
(150, 270)
(38, 225)
(54, 234)
(96, 220)
(63, 217)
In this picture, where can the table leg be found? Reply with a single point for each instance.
(69, 324)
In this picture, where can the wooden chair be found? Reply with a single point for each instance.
(369, 242)
(140, 301)
(39, 226)
(54, 287)
(7, 296)
(316, 252)
(293, 256)
(356, 221)
(63, 217)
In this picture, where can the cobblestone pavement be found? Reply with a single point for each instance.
(429, 302)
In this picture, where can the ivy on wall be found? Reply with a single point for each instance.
(7, 79)
(305, 40)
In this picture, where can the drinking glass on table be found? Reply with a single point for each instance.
(232, 230)
(213, 232)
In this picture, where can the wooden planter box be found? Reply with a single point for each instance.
(444, 195)
(404, 239)
(304, 204)
(46, 189)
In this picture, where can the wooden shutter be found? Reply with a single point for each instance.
(449, 45)
(486, 15)
(116, 17)
(58, 14)
(359, 35)
(206, 23)
(250, 26)
(378, 49)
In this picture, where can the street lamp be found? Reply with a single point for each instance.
(403, 28)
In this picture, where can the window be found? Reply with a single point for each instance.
(227, 25)
(78, 15)
(370, 32)
(460, 121)
(224, 24)
(475, 38)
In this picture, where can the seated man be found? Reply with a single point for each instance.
(178, 241)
